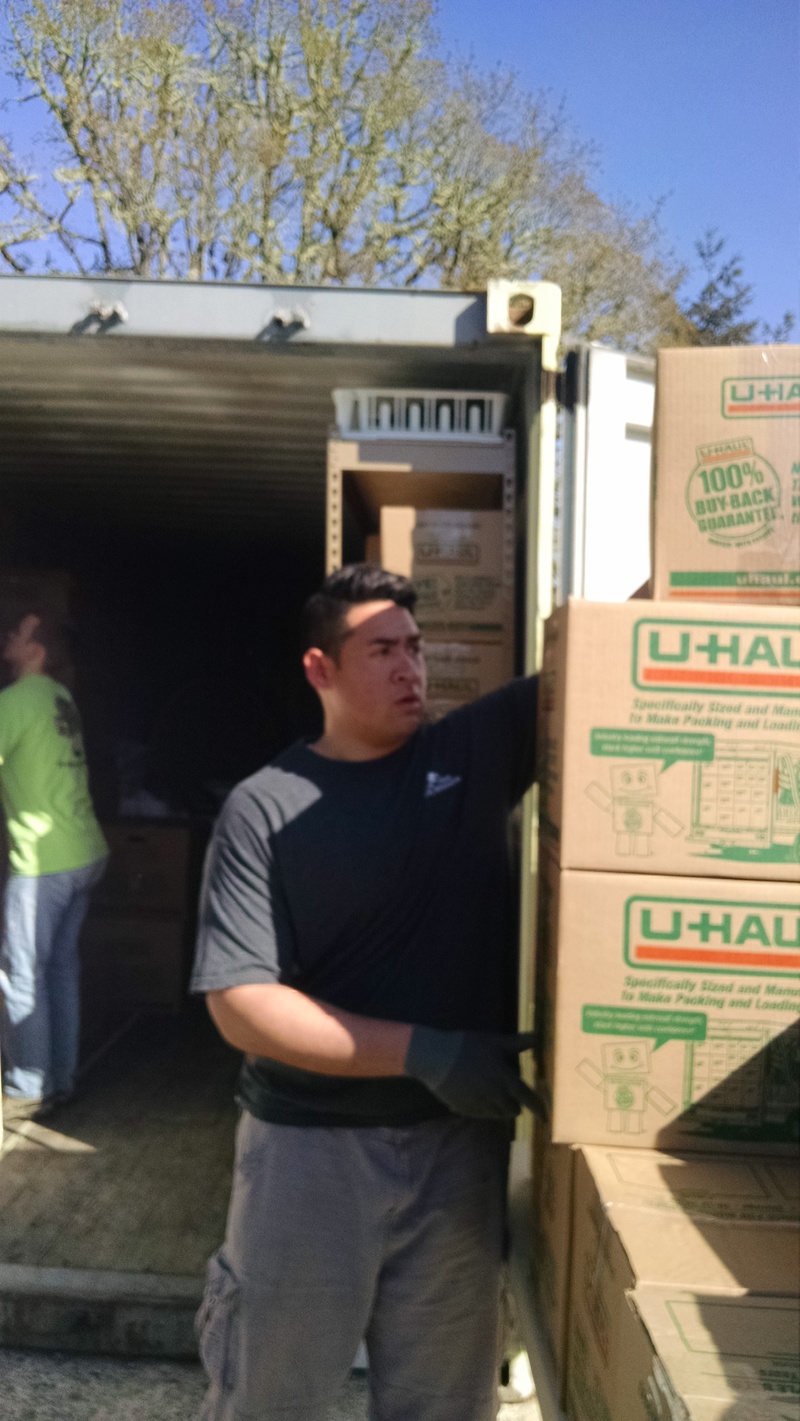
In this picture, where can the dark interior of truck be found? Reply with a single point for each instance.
(186, 672)
(186, 667)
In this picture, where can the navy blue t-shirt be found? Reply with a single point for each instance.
(379, 886)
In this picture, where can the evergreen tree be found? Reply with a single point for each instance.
(717, 314)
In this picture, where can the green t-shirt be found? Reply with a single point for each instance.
(43, 780)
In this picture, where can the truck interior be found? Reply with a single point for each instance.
(170, 497)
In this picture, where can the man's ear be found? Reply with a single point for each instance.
(319, 669)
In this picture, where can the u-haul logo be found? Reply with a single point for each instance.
(696, 934)
(745, 397)
(730, 657)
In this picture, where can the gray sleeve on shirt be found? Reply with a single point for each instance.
(244, 933)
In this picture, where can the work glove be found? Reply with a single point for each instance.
(474, 1073)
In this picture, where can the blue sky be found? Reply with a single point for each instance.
(693, 101)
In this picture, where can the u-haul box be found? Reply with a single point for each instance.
(726, 507)
(462, 569)
(707, 1224)
(693, 1356)
(670, 1010)
(459, 672)
(669, 739)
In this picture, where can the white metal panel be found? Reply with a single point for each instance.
(606, 477)
(118, 308)
(640, 392)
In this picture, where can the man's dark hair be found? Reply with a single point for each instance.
(324, 613)
(53, 633)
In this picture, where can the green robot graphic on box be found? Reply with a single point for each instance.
(625, 1067)
(635, 815)
(737, 1082)
(744, 804)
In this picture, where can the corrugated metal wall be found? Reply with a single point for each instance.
(221, 437)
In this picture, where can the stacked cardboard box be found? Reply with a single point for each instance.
(700, 1226)
(462, 570)
(136, 941)
(668, 963)
(671, 739)
(708, 1357)
(727, 474)
(611, 1221)
(669, 908)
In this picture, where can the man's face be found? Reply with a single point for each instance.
(375, 688)
(20, 645)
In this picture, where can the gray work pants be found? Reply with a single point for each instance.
(394, 1235)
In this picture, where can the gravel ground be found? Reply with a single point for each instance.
(56, 1386)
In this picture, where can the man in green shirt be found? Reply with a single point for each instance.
(57, 854)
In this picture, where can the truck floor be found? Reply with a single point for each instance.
(110, 1208)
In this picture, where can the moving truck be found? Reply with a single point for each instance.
(184, 461)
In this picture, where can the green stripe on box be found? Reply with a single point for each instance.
(734, 579)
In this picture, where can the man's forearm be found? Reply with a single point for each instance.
(269, 1019)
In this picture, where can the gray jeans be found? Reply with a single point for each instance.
(394, 1235)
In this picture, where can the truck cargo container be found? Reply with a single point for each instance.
(180, 463)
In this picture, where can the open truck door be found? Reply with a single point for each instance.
(601, 552)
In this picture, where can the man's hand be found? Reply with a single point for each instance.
(473, 1073)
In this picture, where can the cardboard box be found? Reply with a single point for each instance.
(669, 739)
(397, 539)
(636, 1208)
(460, 565)
(459, 672)
(727, 1358)
(697, 1224)
(693, 1356)
(727, 474)
(553, 1170)
(143, 960)
(670, 1010)
(148, 868)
